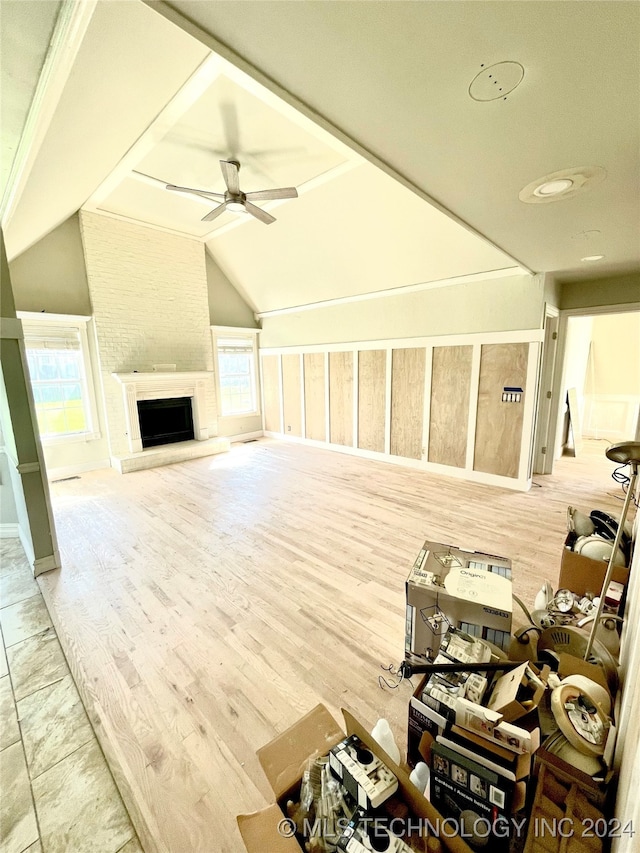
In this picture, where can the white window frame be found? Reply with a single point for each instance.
(80, 324)
(243, 333)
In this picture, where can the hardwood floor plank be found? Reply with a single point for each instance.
(205, 606)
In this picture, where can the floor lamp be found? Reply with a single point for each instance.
(625, 453)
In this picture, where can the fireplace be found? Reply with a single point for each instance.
(165, 421)
(178, 397)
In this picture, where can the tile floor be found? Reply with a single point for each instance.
(58, 795)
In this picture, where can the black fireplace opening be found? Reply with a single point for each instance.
(165, 421)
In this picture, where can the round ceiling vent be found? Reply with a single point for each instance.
(496, 81)
(563, 184)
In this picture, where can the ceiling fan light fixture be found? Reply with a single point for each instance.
(234, 199)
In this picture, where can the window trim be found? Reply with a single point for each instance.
(244, 333)
(80, 323)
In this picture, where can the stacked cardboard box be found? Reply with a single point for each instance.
(284, 760)
(451, 586)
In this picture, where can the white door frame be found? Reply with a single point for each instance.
(545, 427)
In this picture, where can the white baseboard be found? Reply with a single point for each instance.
(246, 436)
(46, 564)
(27, 544)
(9, 531)
(514, 484)
(74, 470)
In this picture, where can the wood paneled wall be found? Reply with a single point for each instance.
(271, 392)
(498, 424)
(407, 401)
(376, 400)
(372, 378)
(449, 409)
(341, 398)
(314, 396)
(292, 394)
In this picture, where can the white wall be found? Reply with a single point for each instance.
(577, 348)
(489, 305)
(628, 745)
(612, 388)
(150, 303)
(8, 513)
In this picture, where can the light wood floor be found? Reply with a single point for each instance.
(205, 606)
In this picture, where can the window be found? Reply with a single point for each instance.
(59, 369)
(236, 360)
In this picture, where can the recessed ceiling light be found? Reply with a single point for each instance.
(561, 185)
(592, 258)
(553, 187)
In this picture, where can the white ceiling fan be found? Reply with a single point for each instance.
(234, 199)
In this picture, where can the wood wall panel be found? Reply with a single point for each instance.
(498, 424)
(314, 396)
(292, 395)
(341, 398)
(372, 371)
(271, 392)
(449, 410)
(407, 401)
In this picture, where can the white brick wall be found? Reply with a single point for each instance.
(149, 298)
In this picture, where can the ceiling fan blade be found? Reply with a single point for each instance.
(259, 213)
(230, 174)
(283, 192)
(213, 214)
(202, 193)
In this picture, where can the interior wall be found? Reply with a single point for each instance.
(577, 348)
(150, 302)
(21, 442)
(615, 354)
(552, 292)
(395, 386)
(226, 306)
(488, 305)
(612, 387)
(627, 807)
(615, 290)
(8, 513)
(51, 275)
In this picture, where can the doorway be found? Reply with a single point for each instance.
(599, 360)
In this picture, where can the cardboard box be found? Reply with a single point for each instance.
(583, 575)
(425, 724)
(490, 752)
(596, 791)
(490, 725)
(284, 760)
(464, 789)
(516, 693)
(448, 585)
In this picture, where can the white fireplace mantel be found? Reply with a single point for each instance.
(162, 386)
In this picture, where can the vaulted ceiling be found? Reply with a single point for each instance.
(407, 170)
